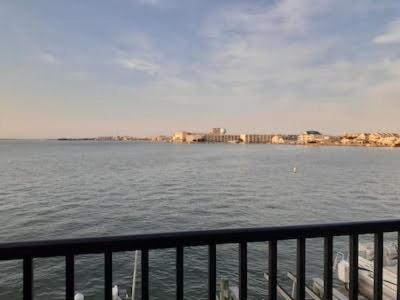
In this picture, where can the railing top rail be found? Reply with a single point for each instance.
(47, 248)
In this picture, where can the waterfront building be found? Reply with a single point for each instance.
(256, 138)
(284, 139)
(310, 137)
(195, 138)
(277, 139)
(385, 139)
(218, 131)
(161, 138)
(218, 135)
(187, 137)
(222, 138)
(179, 137)
(290, 138)
(371, 139)
(312, 132)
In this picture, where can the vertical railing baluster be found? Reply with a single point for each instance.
(272, 269)
(28, 278)
(378, 265)
(108, 275)
(212, 272)
(301, 269)
(145, 274)
(243, 271)
(70, 277)
(398, 266)
(328, 266)
(179, 273)
(353, 276)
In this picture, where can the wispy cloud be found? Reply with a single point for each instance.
(261, 54)
(139, 65)
(391, 36)
(138, 51)
(149, 2)
(253, 48)
(49, 58)
(286, 17)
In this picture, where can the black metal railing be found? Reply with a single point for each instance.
(27, 251)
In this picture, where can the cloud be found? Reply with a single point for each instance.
(149, 2)
(285, 17)
(139, 51)
(49, 58)
(254, 49)
(259, 55)
(139, 65)
(269, 56)
(391, 36)
(272, 60)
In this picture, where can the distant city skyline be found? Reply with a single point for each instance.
(152, 67)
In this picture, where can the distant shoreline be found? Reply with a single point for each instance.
(308, 138)
(205, 143)
(156, 142)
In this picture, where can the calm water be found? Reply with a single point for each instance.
(51, 189)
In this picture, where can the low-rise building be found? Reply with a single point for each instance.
(179, 137)
(385, 139)
(222, 138)
(218, 131)
(278, 139)
(256, 138)
(162, 138)
(371, 139)
(187, 137)
(310, 137)
(194, 138)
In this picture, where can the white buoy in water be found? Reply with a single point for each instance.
(294, 170)
(79, 296)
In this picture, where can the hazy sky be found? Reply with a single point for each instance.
(145, 67)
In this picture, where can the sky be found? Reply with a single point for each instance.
(148, 67)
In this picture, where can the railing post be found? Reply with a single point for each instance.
(179, 273)
(69, 277)
(398, 266)
(353, 284)
(108, 275)
(301, 269)
(272, 269)
(378, 265)
(243, 271)
(28, 278)
(145, 274)
(328, 266)
(212, 272)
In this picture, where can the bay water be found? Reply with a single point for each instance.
(59, 189)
